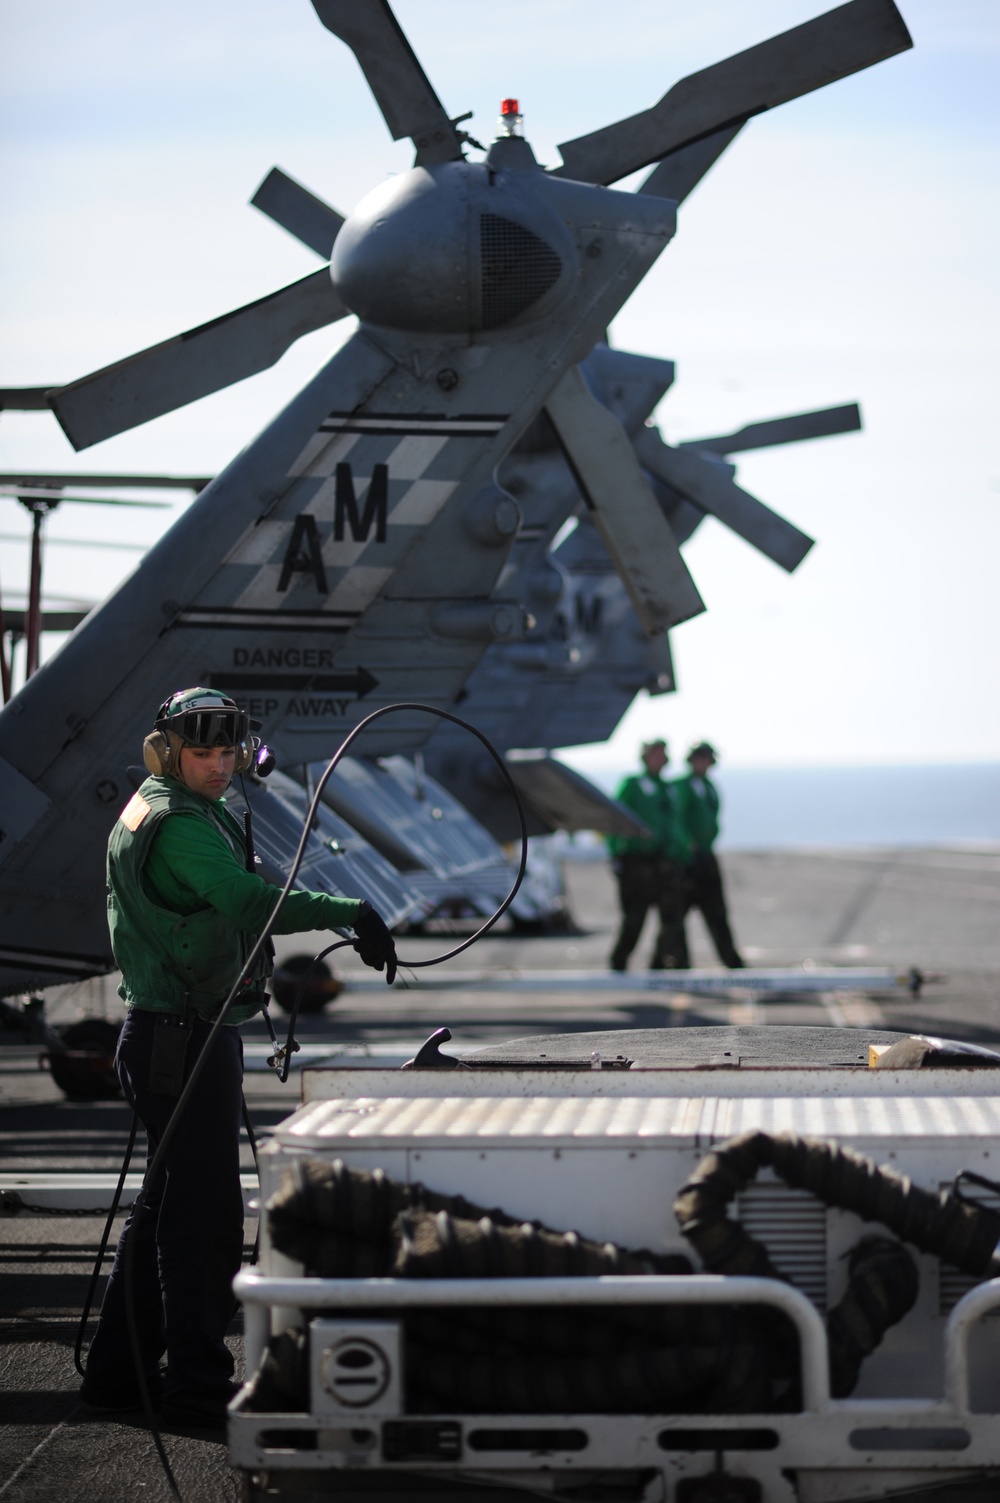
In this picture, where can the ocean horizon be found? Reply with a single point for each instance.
(781, 807)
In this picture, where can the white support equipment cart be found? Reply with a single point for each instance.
(603, 1152)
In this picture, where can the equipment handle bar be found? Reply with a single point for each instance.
(258, 1292)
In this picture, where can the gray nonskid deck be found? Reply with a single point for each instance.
(936, 909)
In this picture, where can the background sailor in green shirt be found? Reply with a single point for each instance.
(698, 802)
(650, 869)
(184, 914)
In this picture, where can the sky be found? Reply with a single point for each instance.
(843, 249)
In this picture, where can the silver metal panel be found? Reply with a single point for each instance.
(572, 1120)
(494, 1119)
(22, 805)
(339, 1084)
(869, 1117)
(337, 859)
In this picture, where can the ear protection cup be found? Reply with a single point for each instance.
(246, 754)
(201, 718)
(161, 754)
(156, 754)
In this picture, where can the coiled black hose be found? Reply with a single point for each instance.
(347, 1223)
(882, 1276)
(342, 1222)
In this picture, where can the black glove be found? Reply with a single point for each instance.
(374, 943)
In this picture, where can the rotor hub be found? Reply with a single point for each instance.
(456, 249)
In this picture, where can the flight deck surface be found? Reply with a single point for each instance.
(936, 909)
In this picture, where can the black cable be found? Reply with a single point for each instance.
(248, 966)
(290, 1045)
(284, 1056)
(116, 1198)
(133, 1332)
(256, 1169)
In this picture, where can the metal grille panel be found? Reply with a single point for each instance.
(792, 1226)
(517, 268)
(953, 1284)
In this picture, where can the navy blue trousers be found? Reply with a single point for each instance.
(188, 1237)
(706, 893)
(646, 882)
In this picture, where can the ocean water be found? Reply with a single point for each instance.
(873, 806)
(765, 808)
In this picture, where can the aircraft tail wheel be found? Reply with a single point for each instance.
(315, 979)
(81, 1059)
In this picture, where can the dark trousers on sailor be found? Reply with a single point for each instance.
(646, 882)
(188, 1237)
(706, 893)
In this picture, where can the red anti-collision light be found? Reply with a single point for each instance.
(509, 107)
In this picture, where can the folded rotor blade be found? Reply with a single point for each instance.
(52, 499)
(683, 516)
(564, 799)
(24, 399)
(786, 430)
(660, 662)
(845, 40)
(191, 365)
(627, 514)
(49, 481)
(679, 173)
(402, 89)
(709, 485)
(298, 211)
(16, 621)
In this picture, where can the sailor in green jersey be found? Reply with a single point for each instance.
(650, 869)
(184, 914)
(698, 803)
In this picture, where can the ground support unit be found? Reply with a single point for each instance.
(605, 1153)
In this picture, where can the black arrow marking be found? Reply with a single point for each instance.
(360, 683)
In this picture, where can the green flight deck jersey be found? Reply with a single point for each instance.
(184, 912)
(654, 801)
(698, 805)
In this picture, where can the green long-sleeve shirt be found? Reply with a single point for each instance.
(183, 910)
(191, 865)
(654, 801)
(698, 805)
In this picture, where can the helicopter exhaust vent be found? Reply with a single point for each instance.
(518, 268)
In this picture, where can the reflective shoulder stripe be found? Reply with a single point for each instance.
(134, 812)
